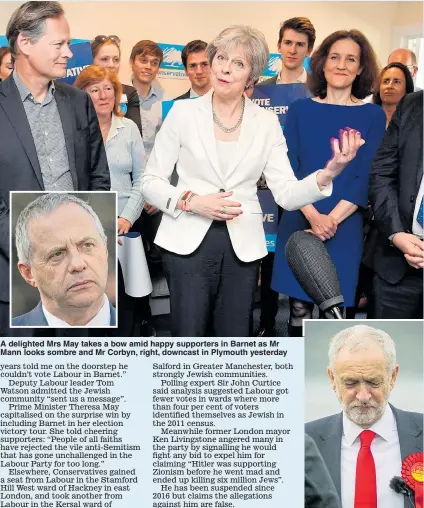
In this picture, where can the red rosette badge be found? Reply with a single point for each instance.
(413, 474)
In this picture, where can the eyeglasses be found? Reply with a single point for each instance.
(103, 38)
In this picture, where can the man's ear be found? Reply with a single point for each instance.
(23, 43)
(26, 273)
(330, 374)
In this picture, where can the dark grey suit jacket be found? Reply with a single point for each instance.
(19, 166)
(36, 317)
(396, 174)
(269, 81)
(320, 491)
(327, 434)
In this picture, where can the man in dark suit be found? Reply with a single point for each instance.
(320, 491)
(364, 445)
(50, 136)
(396, 196)
(196, 65)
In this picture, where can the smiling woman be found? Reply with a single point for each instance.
(212, 232)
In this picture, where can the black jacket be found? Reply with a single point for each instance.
(19, 166)
(396, 174)
(133, 105)
(183, 96)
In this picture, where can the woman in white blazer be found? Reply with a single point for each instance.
(212, 232)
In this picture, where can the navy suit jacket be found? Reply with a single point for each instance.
(36, 317)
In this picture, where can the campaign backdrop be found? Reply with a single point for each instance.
(278, 98)
(172, 64)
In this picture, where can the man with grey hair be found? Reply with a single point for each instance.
(62, 252)
(407, 58)
(50, 136)
(364, 445)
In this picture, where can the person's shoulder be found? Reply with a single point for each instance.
(320, 425)
(71, 91)
(128, 90)
(411, 100)
(34, 317)
(414, 417)
(269, 81)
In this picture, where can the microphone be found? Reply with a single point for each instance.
(314, 270)
(399, 486)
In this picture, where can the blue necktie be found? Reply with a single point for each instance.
(420, 218)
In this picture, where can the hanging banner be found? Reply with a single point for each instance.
(172, 65)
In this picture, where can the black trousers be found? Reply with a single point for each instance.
(211, 289)
(269, 297)
(403, 300)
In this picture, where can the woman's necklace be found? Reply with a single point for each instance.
(218, 122)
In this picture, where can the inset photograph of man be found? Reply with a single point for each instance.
(364, 409)
(63, 266)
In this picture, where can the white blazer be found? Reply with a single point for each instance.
(187, 139)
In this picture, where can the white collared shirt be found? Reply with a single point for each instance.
(193, 94)
(300, 79)
(102, 318)
(385, 449)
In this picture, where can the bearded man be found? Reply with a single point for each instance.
(365, 445)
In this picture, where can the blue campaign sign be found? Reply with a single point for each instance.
(270, 217)
(274, 65)
(277, 98)
(82, 57)
(3, 41)
(172, 64)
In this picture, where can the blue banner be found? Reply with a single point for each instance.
(270, 218)
(278, 98)
(82, 57)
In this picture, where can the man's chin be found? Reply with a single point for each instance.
(85, 299)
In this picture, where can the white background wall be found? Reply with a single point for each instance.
(180, 22)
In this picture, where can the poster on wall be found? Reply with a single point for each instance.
(172, 64)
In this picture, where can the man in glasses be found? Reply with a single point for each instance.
(407, 58)
(50, 136)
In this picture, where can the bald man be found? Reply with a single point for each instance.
(405, 57)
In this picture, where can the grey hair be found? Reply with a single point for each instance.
(44, 205)
(30, 19)
(359, 337)
(253, 43)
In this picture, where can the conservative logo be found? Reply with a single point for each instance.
(274, 65)
(172, 65)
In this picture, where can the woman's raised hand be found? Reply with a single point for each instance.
(344, 149)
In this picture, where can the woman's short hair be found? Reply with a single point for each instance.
(98, 42)
(364, 84)
(94, 74)
(409, 83)
(251, 40)
(3, 52)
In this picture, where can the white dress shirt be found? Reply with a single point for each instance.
(301, 79)
(102, 318)
(386, 452)
(416, 226)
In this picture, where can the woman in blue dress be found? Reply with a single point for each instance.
(343, 71)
